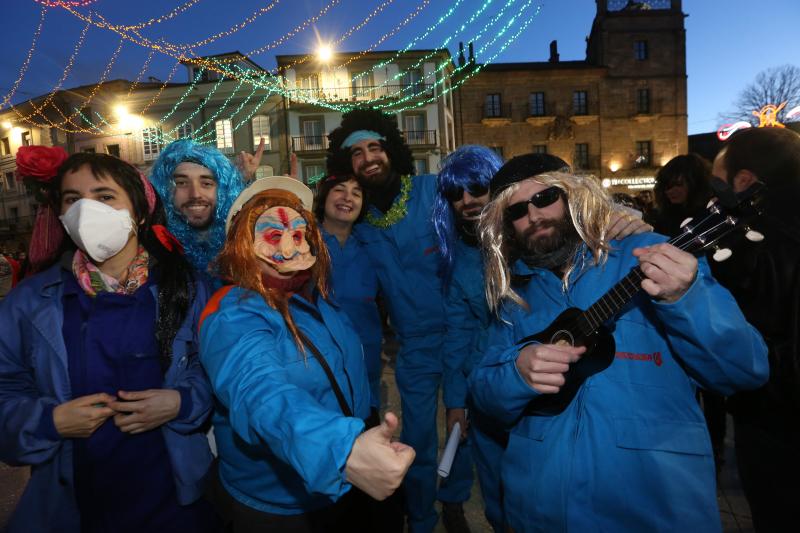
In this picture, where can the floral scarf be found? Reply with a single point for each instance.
(93, 281)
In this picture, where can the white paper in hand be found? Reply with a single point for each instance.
(450, 450)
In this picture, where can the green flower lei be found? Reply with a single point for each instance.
(398, 210)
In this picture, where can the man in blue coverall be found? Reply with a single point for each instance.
(398, 236)
(630, 451)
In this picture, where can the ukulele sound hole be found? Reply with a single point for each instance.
(562, 337)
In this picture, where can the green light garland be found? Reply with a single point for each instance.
(398, 210)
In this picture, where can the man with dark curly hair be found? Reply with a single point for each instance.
(399, 237)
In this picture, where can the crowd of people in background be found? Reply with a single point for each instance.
(200, 350)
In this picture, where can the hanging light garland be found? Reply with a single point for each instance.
(273, 86)
(24, 68)
(67, 69)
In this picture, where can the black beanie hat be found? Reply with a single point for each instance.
(523, 167)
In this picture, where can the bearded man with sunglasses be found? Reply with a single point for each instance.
(630, 450)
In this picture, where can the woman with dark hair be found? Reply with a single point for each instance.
(354, 283)
(289, 375)
(101, 388)
(682, 190)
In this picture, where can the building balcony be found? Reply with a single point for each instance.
(420, 137)
(360, 94)
(310, 143)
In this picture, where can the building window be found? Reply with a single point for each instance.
(261, 130)
(539, 148)
(536, 105)
(412, 81)
(492, 107)
(5, 146)
(89, 150)
(643, 153)
(185, 130)
(362, 85)
(224, 136)
(151, 143)
(14, 213)
(581, 160)
(26, 138)
(112, 149)
(420, 166)
(7, 181)
(414, 128)
(313, 134)
(643, 101)
(313, 169)
(264, 171)
(310, 86)
(580, 103)
(640, 50)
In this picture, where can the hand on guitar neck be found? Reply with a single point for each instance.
(669, 271)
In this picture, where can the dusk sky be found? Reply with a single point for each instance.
(728, 42)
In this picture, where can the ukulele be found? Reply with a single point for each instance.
(576, 327)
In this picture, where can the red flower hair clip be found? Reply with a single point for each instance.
(40, 162)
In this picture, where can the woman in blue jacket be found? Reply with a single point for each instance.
(288, 372)
(354, 281)
(101, 389)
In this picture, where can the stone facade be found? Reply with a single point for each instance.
(619, 114)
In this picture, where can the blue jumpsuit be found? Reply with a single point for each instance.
(467, 331)
(354, 286)
(631, 452)
(406, 258)
(37, 373)
(283, 441)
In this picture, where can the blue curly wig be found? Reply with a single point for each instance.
(469, 166)
(201, 247)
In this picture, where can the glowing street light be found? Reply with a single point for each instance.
(324, 53)
(614, 166)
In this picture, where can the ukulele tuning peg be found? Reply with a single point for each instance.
(721, 254)
(753, 235)
(710, 203)
(686, 221)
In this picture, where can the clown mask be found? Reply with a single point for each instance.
(280, 240)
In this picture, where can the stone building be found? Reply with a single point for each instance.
(618, 115)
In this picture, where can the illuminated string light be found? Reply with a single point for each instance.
(271, 87)
(62, 3)
(161, 89)
(233, 29)
(427, 32)
(490, 59)
(139, 76)
(444, 64)
(49, 98)
(24, 68)
(95, 89)
(158, 20)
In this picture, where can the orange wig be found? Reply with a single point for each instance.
(238, 263)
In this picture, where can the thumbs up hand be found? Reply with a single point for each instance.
(376, 464)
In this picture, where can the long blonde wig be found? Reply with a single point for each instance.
(589, 209)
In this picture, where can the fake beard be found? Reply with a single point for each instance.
(552, 251)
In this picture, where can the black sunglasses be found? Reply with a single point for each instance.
(540, 200)
(457, 193)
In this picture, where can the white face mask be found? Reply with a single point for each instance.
(98, 229)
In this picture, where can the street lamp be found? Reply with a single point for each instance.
(324, 53)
